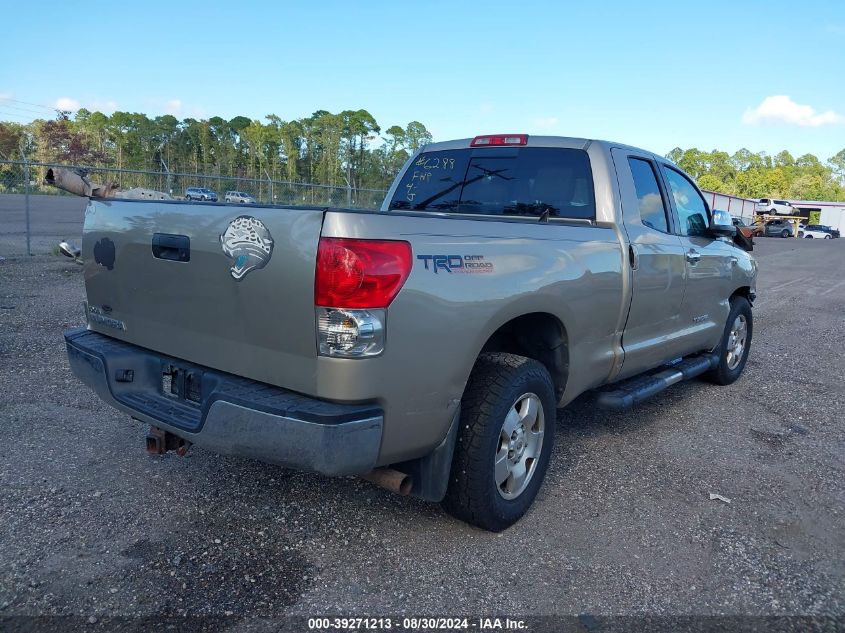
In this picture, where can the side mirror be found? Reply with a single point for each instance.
(721, 224)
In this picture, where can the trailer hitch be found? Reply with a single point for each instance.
(160, 442)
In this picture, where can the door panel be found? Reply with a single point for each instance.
(658, 275)
(708, 262)
(705, 307)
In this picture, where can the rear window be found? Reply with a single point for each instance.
(524, 181)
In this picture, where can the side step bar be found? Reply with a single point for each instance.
(627, 393)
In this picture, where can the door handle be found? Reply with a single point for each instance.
(176, 248)
(693, 256)
(633, 257)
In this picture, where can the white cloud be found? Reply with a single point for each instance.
(782, 109)
(66, 103)
(546, 123)
(174, 107)
(94, 105)
(106, 107)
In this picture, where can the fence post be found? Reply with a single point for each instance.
(348, 195)
(26, 204)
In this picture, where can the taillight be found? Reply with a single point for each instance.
(499, 139)
(354, 273)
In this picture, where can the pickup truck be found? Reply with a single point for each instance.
(425, 345)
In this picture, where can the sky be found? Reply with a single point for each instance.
(766, 76)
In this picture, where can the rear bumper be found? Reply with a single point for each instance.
(231, 415)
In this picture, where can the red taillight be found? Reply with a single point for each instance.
(499, 139)
(360, 273)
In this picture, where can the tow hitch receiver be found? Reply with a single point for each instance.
(160, 441)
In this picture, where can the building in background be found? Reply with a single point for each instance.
(816, 212)
(736, 206)
(831, 214)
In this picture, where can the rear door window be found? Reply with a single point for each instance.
(649, 198)
(524, 181)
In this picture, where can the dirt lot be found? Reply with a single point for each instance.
(94, 527)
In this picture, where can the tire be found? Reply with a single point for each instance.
(809, 237)
(800, 233)
(827, 237)
(501, 384)
(188, 198)
(731, 364)
(784, 233)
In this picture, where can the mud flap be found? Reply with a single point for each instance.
(430, 473)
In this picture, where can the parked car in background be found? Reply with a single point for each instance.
(828, 229)
(239, 196)
(778, 228)
(779, 207)
(746, 229)
(200, 193)
(814, 231)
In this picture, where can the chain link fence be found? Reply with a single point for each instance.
(34, 217)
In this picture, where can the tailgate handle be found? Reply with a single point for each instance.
(176, 248)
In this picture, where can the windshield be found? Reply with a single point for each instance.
(525, 181)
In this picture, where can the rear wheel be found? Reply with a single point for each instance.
(827, 237)
(504, 441)
(735, 345)
(784, 233)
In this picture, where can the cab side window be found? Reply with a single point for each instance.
(692, 210)
(649, 198)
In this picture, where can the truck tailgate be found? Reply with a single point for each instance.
(218, 285)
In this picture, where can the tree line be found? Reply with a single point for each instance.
(346, 149)
(340, 149)
(759, 175)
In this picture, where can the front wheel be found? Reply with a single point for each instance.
(735, 345)
(504, 442)
(827, 237)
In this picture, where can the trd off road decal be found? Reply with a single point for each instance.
(249, 243)
(464, 264)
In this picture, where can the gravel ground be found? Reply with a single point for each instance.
(94, 527)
